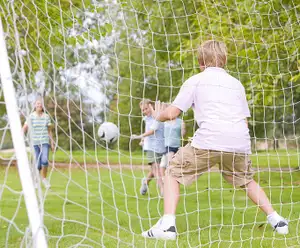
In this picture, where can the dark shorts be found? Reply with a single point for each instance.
(172, 149)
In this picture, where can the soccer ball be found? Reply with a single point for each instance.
(108, 132)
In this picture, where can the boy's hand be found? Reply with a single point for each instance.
(159, 107)
(134, 137)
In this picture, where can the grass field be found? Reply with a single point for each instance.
(103, 208)
(270, 159)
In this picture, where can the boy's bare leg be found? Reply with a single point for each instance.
(156, 171)
(162, 171)
(149, 177)
(145, 182)
(171, 195)
(169, 156)
(259, 197)
(165, 227)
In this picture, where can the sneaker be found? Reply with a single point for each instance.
(144, 187)
(282, 227)
(159, 233)
(46, 183)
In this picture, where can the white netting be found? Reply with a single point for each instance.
(93, 61)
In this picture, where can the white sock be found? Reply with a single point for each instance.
(274, 218)
(168, 220)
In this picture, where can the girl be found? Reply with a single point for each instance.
(40, 127)
(173, 131)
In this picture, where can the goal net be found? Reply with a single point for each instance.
(93, 62)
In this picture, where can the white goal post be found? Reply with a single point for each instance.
(32, 206)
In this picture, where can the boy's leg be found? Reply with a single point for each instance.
(156, 171)
(165, 228)
(237, 170)
(155, 159)
(162, 173)
(171, 196)
(163, 164)
(186, 166)
(145, 182)
(258, 197)
(149, 177)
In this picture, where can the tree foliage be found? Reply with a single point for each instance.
(263, 47)
(153, 50)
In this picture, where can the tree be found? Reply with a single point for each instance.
(158, 52)
(58, 50)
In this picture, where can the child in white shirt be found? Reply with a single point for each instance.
(221, 111)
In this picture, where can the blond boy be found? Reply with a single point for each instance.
(153, 145)
(221, 111)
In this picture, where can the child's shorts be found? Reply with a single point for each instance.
(189, 163)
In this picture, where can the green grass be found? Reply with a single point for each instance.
(103, 208)
(271, 159)
(93, 157)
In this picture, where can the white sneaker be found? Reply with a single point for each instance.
(279, 223)
(159, 233)
(46, 183)
(282, 227)
(144, 187)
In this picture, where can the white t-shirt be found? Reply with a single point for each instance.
(220, 109)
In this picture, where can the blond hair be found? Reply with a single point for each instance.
(146, 102)
(212, 54)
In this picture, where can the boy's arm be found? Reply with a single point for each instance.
(170, 113)
(148, 133)
(183, 101)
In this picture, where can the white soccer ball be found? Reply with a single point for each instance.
(108, 132)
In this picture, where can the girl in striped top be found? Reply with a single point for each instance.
(40, 127)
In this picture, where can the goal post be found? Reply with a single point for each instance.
(32, 206)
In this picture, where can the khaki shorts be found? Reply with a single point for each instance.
(154, 157)
(189, 163)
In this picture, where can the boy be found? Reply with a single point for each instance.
(220, 109)
(153, 145)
